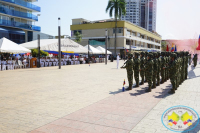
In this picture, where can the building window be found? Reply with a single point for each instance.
(119, 30)
(80, 31)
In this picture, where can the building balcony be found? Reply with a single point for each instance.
(18, 13)
(19, 25)
(24, 4)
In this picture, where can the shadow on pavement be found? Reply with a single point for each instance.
(116, 92)
(196, 129)
(164, 93)
(191, 73)
(139, 92)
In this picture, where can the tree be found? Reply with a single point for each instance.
(163, 45)
(116, 8)
(78, 37)
(34, 52)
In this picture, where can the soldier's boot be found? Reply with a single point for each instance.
(158, 83)
(172, 91)
(162, 81)
(142, 82)
(154, 85)
(149, 89)
(137, 85)
(129, 88)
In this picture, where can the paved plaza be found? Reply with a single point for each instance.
(87, 99)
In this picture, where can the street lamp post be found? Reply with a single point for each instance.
(38, 51)
(106, 43)
(59, 47)
(88, 51)
(130, 45)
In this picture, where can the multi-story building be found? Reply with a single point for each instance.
(16, 20)
(129, 35)
(141, 13)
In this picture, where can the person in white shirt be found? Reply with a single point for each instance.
(117, 61)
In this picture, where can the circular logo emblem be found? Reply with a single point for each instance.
(180, 119)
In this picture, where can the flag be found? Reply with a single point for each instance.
(172, 50)
(175, 49)
(167, 49)
(198, 48)
(174, 122)
(171, 124)
(126, 50)
(124, 82)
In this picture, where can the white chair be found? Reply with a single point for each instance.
(9, 65)
(3, 65)
(46, 64)
(20, 64)
(54, 63)
(15, 66)
(64, 62)
(50, 63)
(41, 64)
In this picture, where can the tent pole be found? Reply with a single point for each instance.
(106, 47)
(59, 49)
(38, 51)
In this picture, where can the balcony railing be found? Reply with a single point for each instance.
(18, 13)
(19, 25)
(24, 4)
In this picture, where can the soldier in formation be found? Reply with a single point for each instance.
(170, 65)
(195, 60)
(129, 68)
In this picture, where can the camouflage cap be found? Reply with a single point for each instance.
(136, 54)
(162, 53)
(150, 55)
(155, 54)
(142, 53)
(129, 55)
(172, 55)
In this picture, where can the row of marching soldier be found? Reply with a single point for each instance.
(152, 66)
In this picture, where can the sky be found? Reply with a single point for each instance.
(176, 19)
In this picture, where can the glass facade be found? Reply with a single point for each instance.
(6, 10)
(24, 4)
(143, 15)
(17, 36)
(150, 15)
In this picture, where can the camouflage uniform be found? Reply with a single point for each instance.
(189, 57)
(145, 61)
(186, 64)
(177, 70)
(159, 67)
(142, 62)
(195, 60)
(155, 69)
(162, 65)
(166, 69)
(129, 68)
(172, 74)
(183, 67)
(149, 70)
(136, 68)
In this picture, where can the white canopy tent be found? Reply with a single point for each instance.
(7, 46)
(103, 50)
(93, 50)
(52, 45)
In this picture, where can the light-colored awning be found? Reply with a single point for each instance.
(93, 50)
(52, 45)
(103, 50)
(7, 46)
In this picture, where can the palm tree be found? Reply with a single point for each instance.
(116, 7)
(78, 37)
